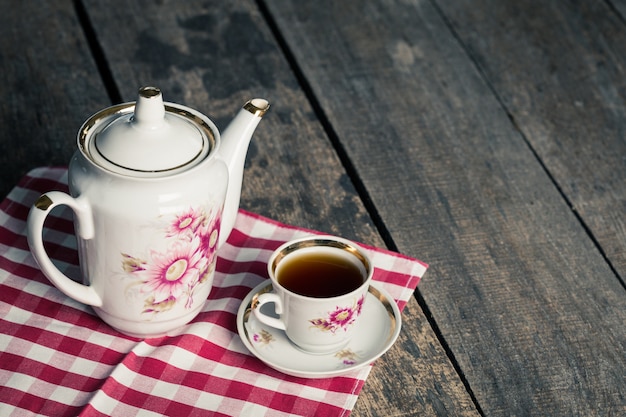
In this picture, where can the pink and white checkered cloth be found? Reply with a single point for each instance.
(57, 358)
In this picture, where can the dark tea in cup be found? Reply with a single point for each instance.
(321, 274)
(319, 287)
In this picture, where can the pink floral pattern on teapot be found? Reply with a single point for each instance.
(171, 276)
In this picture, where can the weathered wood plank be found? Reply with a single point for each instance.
(215, 55)
(48, 88)
(620, 7)
(526, 302)
(559, 71)
(414, 378)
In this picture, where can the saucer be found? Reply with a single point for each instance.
(381, 324)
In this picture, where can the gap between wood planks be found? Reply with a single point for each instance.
(359, 186)
(97, 53)
(545, 169)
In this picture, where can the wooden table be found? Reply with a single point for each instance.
(485, 138)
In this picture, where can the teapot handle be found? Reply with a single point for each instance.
(85, 229)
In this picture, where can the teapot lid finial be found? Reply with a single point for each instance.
(150, 139)
(149, 109)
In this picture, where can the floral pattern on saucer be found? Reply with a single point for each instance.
(263, 337)
(347, 357)
(380, 315)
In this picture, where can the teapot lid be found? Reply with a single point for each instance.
(153, 140)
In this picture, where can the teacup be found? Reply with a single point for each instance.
(319, 288)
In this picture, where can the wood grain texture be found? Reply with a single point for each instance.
(559, 72)
(48, 88)
(528, 305)
(214, 55)
(414, 378)
(619, 6)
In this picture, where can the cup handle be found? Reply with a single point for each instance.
(269, 297)
(85, 229)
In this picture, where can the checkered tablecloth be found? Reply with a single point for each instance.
(57, 358)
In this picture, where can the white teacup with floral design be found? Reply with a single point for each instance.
(319, 287)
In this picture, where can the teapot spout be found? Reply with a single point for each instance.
(233, 149)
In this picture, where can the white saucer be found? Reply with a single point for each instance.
(380, 324)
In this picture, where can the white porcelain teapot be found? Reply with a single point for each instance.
(155, 192)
